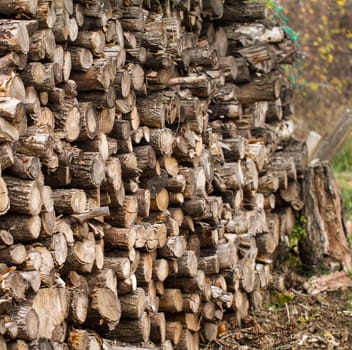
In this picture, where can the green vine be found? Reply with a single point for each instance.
(277, 15)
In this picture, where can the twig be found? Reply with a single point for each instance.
(288, 312)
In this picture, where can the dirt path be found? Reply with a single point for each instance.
(323, 321)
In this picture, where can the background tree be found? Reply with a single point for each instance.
(323, 74)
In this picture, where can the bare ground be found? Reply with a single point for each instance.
(323, 321)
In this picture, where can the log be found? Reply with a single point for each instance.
(81, 58)
(27, 322)
(265, 88)
(186, 340)
(78, 339)
(158, 328)
(50, 314)
(105, 308)
(188, 284)
(78, 305)
(24, 196)
(125, 215)
(122, 238)
(14, 254)
(7, 155)
(173, 331)
(93, 40)
(245, 11)
(4, 196)
(133, 304)
(88, 121)
(88, 170)
(120, 265)
(12, 109)
(12, 86)
(14, 36)
(21, 227)
(69, 201)
(144, 269)
(82, 254)
(67, 118)
(131, 331)
(45, 14)
(102, 99)
(127, 285)
(171, 301)
(174, 248)
(97, 77)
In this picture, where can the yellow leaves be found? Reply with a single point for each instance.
(322, 77)
(326, 52)
(341, 3)
(326, 46)
(327, 334)
(318, 41)
(313, 86)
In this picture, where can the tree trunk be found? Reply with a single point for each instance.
(326, 237)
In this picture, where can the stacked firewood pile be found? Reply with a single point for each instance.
(148, 176)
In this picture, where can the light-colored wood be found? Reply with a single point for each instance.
(132, 331)
(133, 304)
(105, 308)
(171, 301)
(50, 314)
(16, 35)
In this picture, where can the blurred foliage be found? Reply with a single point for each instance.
(324, 79)
(342, 161)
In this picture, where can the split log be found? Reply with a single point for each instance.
(173, 331)
(53, 313)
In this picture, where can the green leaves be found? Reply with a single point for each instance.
(299, 231)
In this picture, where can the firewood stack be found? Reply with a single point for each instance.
(148, 176)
